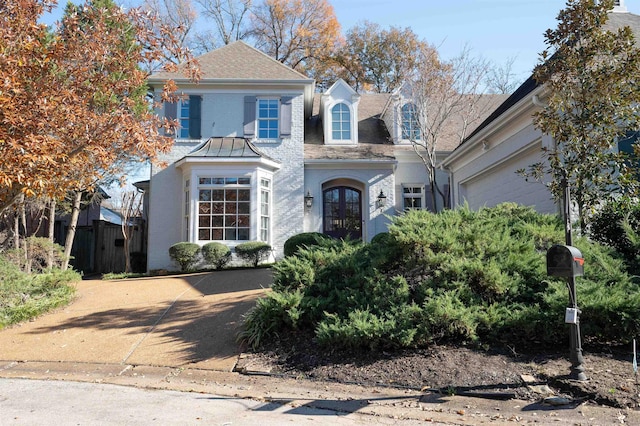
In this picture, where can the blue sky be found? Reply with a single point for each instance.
(494, 29)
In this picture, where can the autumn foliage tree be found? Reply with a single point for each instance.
(590, 76)
(73, 102)
(376, 59)
(298, 33)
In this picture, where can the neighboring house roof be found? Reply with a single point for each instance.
(373, 137)
(237, 61)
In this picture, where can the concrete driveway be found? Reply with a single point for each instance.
(188, 321)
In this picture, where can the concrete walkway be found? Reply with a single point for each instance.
(188, 321)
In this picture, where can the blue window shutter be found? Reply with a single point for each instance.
(170, 113)
(195, 117)
(285, 116)
(249, 117)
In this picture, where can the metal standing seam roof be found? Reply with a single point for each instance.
(227, 148)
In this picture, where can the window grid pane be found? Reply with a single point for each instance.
(268, 120)
(224, 206)
(265, 199)
(410, 125)
(340, 122)
(184, 119)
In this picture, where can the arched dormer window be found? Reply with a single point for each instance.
(340, 122)
(410, 124)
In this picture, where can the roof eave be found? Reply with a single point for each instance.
(526, 102)
(230, 161)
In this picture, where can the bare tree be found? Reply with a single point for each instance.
(131, 209)
(501, 78)
(444, 104)
(229, 18)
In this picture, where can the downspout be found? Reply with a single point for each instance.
(537, 102)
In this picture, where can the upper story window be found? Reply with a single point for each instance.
(189, 115)
(184, 119)
(410, 125)
(268, 118)
(340, 122)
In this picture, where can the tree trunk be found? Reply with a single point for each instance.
(51, 231)
(71, 232)
(25, 248)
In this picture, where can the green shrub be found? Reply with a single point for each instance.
(304, 240)
(276, 312)
(216, 254)
(25, 296)
(458, 276)
(607, 227)
(185, 254)
(253, 252)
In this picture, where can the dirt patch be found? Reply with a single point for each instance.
(461, 370)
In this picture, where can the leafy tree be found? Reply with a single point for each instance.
(73, 103)
(591, 95)
(376, 59)
(298, 33)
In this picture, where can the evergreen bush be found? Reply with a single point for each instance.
(458, 276)
(216, 254)
(304, 240)
(185, 254)
(253, 252)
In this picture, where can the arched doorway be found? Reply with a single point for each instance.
(342, 212)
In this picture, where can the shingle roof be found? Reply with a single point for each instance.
(238, 61)
(373, 137)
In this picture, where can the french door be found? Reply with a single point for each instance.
(342, 212)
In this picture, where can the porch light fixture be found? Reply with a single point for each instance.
(381, 200)
(308, 199)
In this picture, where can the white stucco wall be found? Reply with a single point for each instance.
(371, 179)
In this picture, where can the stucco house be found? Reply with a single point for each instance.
(483, 168)
(261, 156)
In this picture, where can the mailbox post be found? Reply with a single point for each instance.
(567, 261)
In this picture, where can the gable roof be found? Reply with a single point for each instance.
(238, 61)
(616, 21)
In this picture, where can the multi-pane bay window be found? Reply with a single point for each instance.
(265, 204)
(224, 208)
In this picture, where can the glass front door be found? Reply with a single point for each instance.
(342, 212)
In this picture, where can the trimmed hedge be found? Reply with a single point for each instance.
(253, 252)
(304, 240)
(185, 254)
(216, 254)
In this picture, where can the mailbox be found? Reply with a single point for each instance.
(564, 261)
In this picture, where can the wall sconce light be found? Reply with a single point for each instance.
(308, 199)
(381, 200)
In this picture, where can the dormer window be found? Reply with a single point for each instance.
(410, 124)
(339, 114)
(341, 122)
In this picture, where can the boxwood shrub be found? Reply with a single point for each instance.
(216, 254)
(185, 254)
(253, 252)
